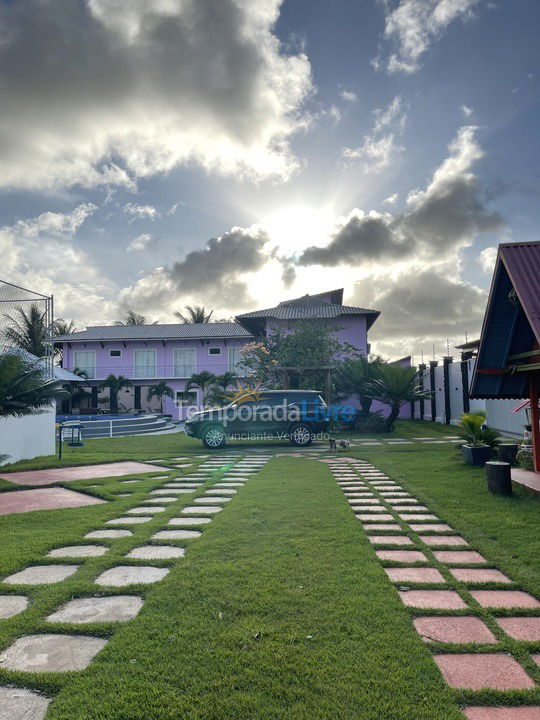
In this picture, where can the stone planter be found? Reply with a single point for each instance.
(476, 454)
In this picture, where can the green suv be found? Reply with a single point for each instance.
(297, 415)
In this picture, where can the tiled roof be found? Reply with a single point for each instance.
(178, 331)
(298, 311)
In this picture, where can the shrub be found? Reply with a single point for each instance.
(474, 431)
(373, 422)
(525, 460)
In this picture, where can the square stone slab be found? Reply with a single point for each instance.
(118, 608)
(364, 501)
(11, 605)
(412, 508)
(176, 535)
(433, 527)
(523, 712)
(408, 517)
(476, 671)
(161, 500)
(145, 510)
(359, 507)
(479, 575)
(52, 498)
(41, 575)
(458, 557)
(382, 526)
(504, 598)
(229, 484)
(374, 517)
(453, 630)
(195, 510)
(402, 556)
(432, 599)
(128, 520)
(521, 628)
(51, 653)
(415, 575)
(156, 552)
(188, 521)
(78, 551)
(122, 575)
(209, 500)
(123, 495)
(390, 539)
(448, 540)
(221, 491)
(20, 704)
(173, 491)
(104, 534)
(400, 501)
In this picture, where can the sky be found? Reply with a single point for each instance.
(233, 154)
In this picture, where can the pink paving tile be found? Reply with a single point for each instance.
(417, 575)
(486, 670)
(536, 658)
(504, 598)
(381, 526)
(448, 540)
(21, 501)
(374, 517)
(458, 557)
(521, 628)
(523, 712)
(83, 472)
(403, 556)
(479, 575)
(432, 599)
(390, 540)
(453, 630)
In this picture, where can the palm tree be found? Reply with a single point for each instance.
(133, 318)
(63, 327)
(218, 391)
(395, 386)
(202, 380)
(353, 377)
(195, 314)
(25, 388)
(115, 384)
(28, 330)
(160, 390)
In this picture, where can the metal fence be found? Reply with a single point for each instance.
(15, 303)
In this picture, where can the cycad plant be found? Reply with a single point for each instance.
(475, 432)
(395, 386)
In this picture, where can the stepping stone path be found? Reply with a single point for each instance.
(62, 652)
(459, 568)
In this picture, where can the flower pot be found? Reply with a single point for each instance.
(476, 454)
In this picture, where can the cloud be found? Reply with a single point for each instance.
(141, 242)
(141, 212)
(466, 110)
(348, 96)
(391, 199)
(487, 259)
(420, 308)
(379, 151)
(213, 275)
(448, 215)
(413, 25)
(103, 92)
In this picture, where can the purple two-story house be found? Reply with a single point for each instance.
(147, 354)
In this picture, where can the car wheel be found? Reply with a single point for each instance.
(214, 437)
(301, 435)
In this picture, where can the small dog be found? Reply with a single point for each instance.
(333, 444)
(344, 444)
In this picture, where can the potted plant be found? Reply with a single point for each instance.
(480, 440)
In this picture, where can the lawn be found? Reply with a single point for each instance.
(281, 609)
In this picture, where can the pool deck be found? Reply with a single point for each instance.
(527, 479)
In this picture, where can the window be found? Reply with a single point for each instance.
(115, 353)
(85, 360)
(145, 364)
(235, 360)
(186, 399)
(214, 351)
(184, 362)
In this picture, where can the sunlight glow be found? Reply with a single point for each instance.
(296, 227)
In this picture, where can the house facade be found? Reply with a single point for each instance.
(147, 354)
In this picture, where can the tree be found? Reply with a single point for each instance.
(28, 330)
(115, 384)
(352, 379)
(133, 318)
(203, 380)
(25, 388)
(218, 391)
(395, 386)
(195, 314)
(159, 391)
(63, 327)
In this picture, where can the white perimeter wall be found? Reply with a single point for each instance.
(28, 437)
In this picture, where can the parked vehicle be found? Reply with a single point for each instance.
(297, 415)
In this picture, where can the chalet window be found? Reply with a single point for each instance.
(184, 362)
(214, 351)
(85, 360)
(186, 399)
(115, 353)
(235, 360)
(145, 364)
